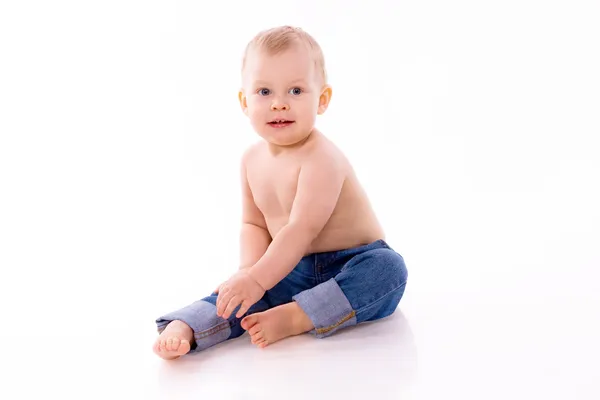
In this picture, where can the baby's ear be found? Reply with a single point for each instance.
(243, 102)
(324, 99)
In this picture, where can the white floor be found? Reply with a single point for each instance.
(473, 126)
(527, 329)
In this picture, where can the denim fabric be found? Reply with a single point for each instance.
(335, 289)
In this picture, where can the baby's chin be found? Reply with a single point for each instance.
(286, 141)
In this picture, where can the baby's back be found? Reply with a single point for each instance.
(273, 179)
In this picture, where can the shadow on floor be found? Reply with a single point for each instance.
(377, 358)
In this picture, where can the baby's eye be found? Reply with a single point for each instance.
(263, 92)
(296, 91)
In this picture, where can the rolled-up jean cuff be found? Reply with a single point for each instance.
(209, 329)
(327, 307)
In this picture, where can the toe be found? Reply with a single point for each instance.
(249, 321)
(255, 329)
(156, 346)
(184, 347)
(170, 348)
(173, 344)
(257, 338)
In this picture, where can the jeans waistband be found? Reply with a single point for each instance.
(328, 257)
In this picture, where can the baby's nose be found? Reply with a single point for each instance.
(279, 106)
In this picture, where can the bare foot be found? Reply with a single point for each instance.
(174, 341)
(268, 327)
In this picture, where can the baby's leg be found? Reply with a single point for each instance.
(285, 318)
(368, 287)
(197, 327)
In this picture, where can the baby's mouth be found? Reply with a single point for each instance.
(280, 122)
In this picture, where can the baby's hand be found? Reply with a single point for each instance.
(239, 289)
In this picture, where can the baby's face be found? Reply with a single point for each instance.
(282, 95)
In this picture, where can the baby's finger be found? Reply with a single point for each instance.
(222, 301)
(243, 309)
(231, 306)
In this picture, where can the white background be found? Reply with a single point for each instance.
(473, 126)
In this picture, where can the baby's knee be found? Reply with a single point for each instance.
(389, 266)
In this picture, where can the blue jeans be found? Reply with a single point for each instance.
(335, 289)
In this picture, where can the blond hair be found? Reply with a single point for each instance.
(281, 38)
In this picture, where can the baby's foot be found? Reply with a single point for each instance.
(174, 341)
(268, 327)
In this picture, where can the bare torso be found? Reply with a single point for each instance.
(273, 179)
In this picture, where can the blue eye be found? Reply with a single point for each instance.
(296, 91)
(263, 92)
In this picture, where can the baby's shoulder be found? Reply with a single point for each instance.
(252, 153)
(325, 150)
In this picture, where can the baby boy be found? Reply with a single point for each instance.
(313, 254)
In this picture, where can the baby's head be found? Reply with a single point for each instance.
(284, 78)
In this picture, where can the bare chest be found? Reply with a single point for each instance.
(273, 185)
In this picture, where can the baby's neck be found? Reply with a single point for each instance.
(277, 150)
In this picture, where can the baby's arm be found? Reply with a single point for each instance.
(254, 236)
(319, 186)
(241, 289)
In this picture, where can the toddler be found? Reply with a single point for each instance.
(313, 255)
